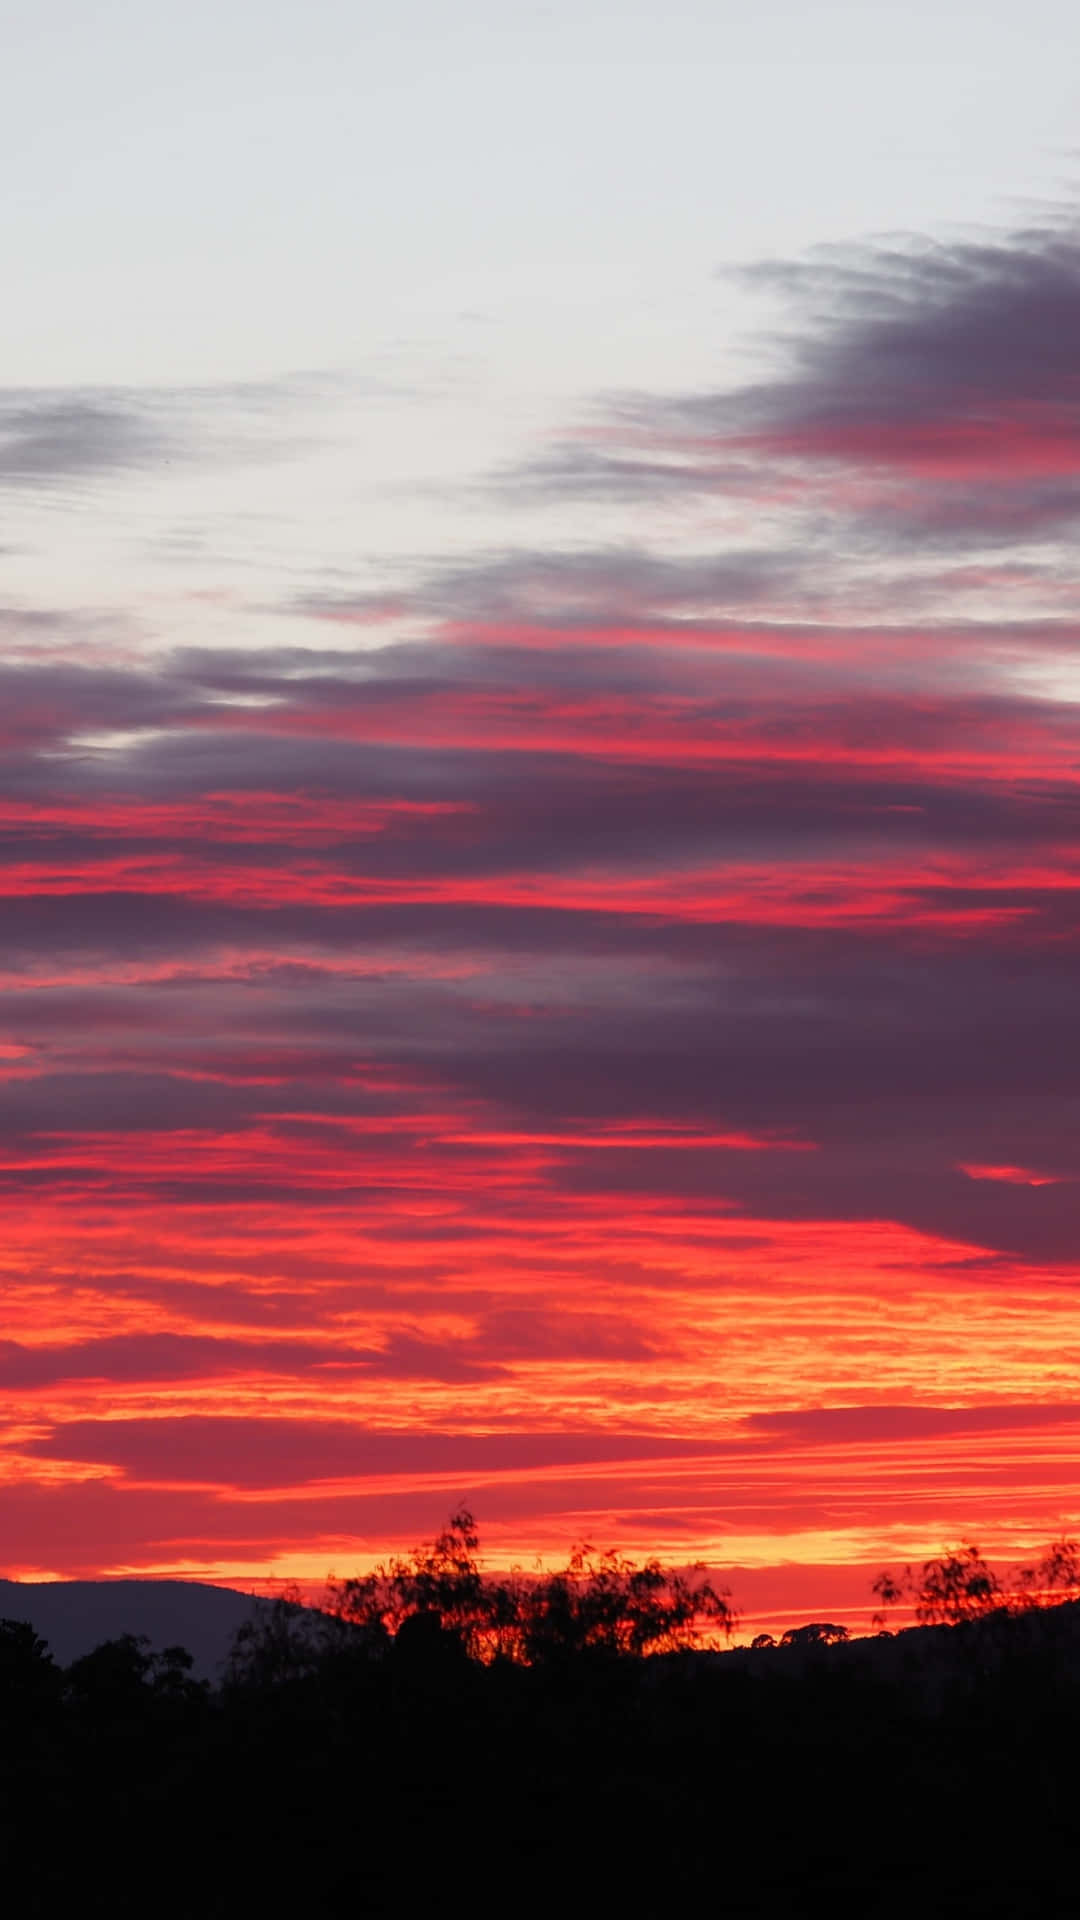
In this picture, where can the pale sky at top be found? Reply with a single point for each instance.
(441, 234)
(222, 191)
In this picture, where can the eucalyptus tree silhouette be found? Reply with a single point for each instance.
(600, 1604)
(1055, 1576)
(961, 1585)
(958, 1586)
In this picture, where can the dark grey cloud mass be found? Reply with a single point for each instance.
(928, 393)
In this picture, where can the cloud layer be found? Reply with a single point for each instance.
(586, 1030)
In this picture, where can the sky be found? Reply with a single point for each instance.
(539, 787)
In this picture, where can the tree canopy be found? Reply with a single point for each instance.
(961, 1585)
(599, 1603)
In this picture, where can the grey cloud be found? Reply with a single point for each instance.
(918, 318)
(558, 588)
(56, 437)
(900, 1064)
(908, 359)
(578, 470)
(53, 438)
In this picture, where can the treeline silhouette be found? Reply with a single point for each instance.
(434, 1737)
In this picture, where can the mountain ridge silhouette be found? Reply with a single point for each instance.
(75, 1616)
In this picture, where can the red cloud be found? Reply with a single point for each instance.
(1013, 1176)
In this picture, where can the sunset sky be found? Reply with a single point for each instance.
(539, 785)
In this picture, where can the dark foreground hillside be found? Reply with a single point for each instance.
(934, 1772)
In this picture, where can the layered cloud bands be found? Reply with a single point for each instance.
(590, 1031)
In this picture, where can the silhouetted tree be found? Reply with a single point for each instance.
(608, 1604)
(441, 1578)
(598, 1603)
(172, 1678)
(124, 1676)
(962, 1586)
(29, 1677)
(1054, 1577)
(285, 1641)
(958, 1586)
(113, 1674)
(816, 1633)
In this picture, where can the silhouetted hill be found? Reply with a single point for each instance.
(75, 1616)
(920, 1660)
